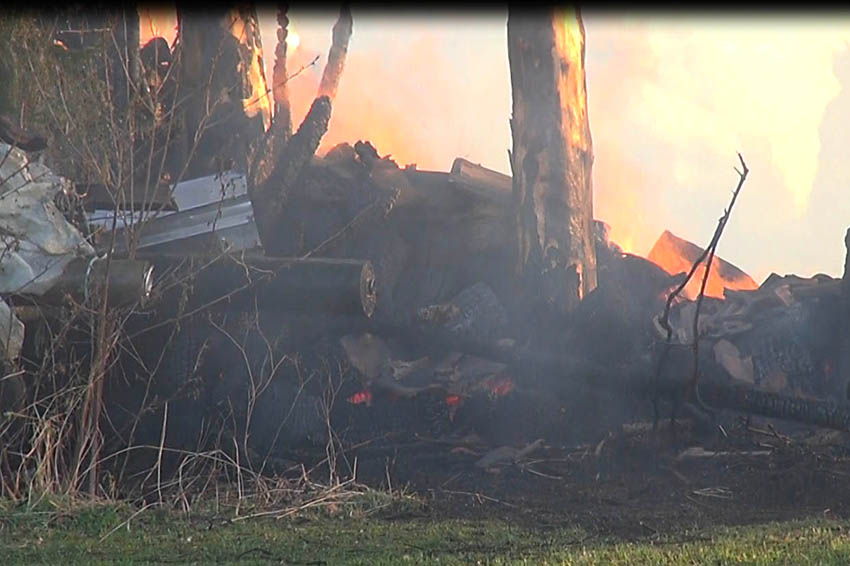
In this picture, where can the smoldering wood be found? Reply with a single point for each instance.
(130, 282)
(445, 231)
(268, 151)
(475, 311)
(552, 156)
(214, 75)
(280, 88)
(270, 197)
(426, 203)
(269, 148)
(827, 414)
(336, 56)
(324, 285)
(492, 184)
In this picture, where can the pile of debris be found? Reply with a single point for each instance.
(405, 275)
(397, 289)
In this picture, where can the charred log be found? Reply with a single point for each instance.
(746, 399)
(313, 285)
(129, 281)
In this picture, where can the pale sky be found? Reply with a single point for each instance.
(670, 102)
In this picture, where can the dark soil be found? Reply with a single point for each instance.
(635, 483)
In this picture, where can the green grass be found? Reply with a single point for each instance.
(51, 534)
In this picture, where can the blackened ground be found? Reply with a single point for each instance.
(636, 484)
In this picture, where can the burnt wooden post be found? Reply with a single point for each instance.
(552, 156)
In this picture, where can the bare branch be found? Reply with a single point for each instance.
(708, 252)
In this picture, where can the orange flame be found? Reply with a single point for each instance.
(675, 255)
(159, 21)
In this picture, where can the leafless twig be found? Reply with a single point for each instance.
(708, 252)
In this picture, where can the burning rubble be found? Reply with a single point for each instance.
(298, 295)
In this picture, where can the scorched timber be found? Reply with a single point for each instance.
(129, 282)
(334, 286)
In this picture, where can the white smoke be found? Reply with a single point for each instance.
(670, 102)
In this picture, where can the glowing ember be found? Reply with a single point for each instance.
(364, 396)
(499, 385)
(675, 255)
(454, 400)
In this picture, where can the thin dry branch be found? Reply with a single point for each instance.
(708, 252)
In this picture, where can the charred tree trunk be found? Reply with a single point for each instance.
(123, 52)
(552, 157)
(336, 57)
(268, 198)
(280, 162)
(282, 113)
(844, 343)
(224, 103)
(280, 132)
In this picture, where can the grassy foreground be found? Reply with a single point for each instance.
(88, 535)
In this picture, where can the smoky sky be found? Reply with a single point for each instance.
(671, 101)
